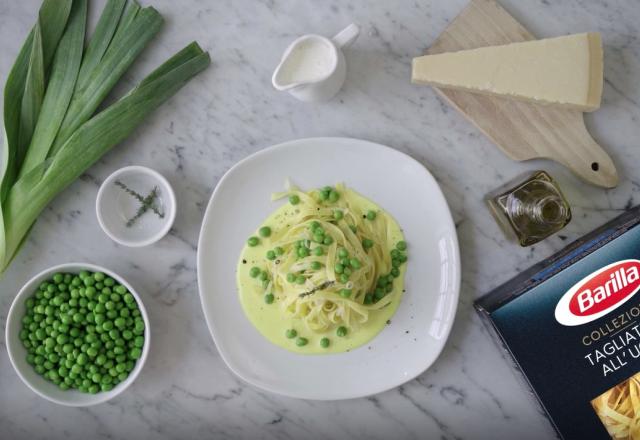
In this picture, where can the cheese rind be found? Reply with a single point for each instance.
(564, 71)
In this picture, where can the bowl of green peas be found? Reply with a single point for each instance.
(77, 334)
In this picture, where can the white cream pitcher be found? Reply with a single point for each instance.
(313, 67)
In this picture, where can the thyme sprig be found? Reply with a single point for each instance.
(146, 203)
(315, 289)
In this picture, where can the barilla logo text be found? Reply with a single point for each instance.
(599, 293)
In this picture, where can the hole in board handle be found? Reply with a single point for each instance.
(595, 166)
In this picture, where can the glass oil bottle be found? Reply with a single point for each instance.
(530, 207)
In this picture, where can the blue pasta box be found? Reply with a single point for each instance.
(571, 323)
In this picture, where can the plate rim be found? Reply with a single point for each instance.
(455, 256)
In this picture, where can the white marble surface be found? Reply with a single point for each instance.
(229, 112)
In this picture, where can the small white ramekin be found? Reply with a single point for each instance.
(114, 207)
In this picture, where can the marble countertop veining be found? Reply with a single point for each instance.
(231, 111)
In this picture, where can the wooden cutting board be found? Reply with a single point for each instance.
(522, 130)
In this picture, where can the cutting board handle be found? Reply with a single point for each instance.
(587, 159)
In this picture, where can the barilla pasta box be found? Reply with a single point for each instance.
(572, 325)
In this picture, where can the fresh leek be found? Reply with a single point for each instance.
(52, 131)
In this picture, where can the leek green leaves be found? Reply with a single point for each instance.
(52, 131)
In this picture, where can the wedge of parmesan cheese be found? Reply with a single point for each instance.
(563, 71)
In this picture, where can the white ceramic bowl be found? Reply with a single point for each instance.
(114, 206)
(18, 354)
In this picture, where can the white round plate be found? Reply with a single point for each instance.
(417, 332)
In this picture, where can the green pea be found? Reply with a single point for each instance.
(347, 271)
(318, 238)
(253, 241)
(342, 253)
(279, 251)
(82, 359)
(403, 258)
(271, 255)
(382, 281)
(318, 251)
(300, 279)
(301, 342)
(324, 342)
(138, 341)
(324, 194)
(339, 268)
(401, 245)
(355, 263)
(135, 353)
(345, 293)
(57, 278)
(371, 215)
(368, 298)
(265, 284)
(303, 252)
(334, 196)
(353, 228)
(291, 277)
(294, 199)
(379, 293)
(327, 240)
(338, 214)
(269, 298)
(264, 231)
(388, 288)
(263, 276)
(119, 322)
(344, 278)
(341, 331)
(395, 272)
(291, 333)
(316, 265)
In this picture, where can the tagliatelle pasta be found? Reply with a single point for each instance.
(619, 409)
(326, 307)
(327, 263)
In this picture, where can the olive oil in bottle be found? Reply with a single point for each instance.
(531, 207)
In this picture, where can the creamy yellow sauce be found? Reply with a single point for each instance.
(272, 322)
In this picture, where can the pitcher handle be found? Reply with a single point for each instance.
(346, 36)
